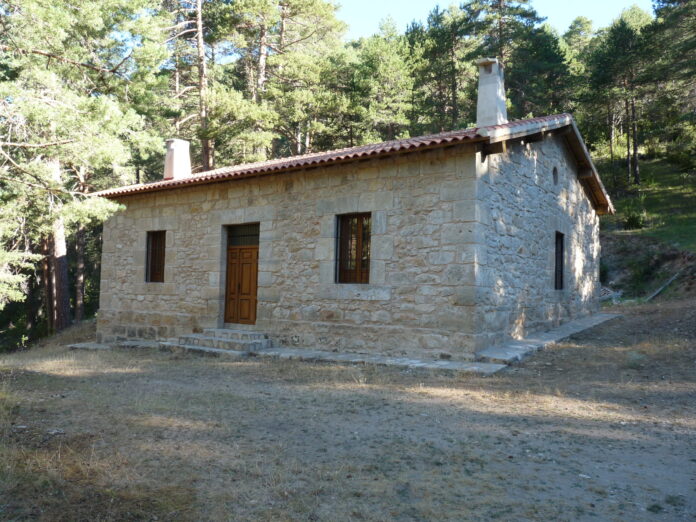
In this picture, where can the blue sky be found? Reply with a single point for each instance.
(363, 16)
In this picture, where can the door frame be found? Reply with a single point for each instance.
(233, 255)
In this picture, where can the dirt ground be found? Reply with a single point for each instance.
(602, 427)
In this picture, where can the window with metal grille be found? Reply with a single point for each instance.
(243, 235)
(558, 274)
(154, 269)
(354, 248)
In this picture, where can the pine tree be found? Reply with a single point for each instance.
(617, 65)
(503, 24)
(66, 123)
(442, 54)
(538, 81)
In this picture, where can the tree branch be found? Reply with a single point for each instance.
(62, 59)
(181, 34)
(35, 145)
(185, 90)
(187, 118)
(180, 24)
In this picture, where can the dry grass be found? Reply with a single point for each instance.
(601, 427)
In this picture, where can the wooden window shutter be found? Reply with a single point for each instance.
(354, 248)
(156, 242)
(560, 254)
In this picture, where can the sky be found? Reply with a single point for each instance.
(363, 16)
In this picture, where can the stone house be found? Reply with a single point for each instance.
(443, 243)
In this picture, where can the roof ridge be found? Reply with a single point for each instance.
(449, 133)
(343, 150)
(327, 157)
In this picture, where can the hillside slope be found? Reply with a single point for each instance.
(653, 235)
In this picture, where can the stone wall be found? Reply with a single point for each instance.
(422, 206)
(522, 208)
(462, 253)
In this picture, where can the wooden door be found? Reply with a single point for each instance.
(240, 296)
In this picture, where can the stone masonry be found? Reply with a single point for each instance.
(462, 253)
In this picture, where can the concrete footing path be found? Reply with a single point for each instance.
(489, 361)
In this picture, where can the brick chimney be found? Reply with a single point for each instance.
(490, 109)
(177, 162)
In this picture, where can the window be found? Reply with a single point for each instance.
(558, 275)
(555, 176)
(243, 235)
(154, 269)
(354, 248)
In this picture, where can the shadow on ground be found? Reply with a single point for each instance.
(601, 426)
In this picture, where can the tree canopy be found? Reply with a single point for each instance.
(89, 91)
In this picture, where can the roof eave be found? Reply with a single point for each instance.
(541, 127)
(587, 172)
(204, 179)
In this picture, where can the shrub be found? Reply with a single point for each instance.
(634, 214)
(634, 219)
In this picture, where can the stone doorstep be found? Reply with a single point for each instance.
(515, 351)
(201, 350)
(89, 346)
(130, 344)
(225, 343)
(234, 334)
(136, 344)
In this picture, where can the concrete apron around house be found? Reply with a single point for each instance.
(516, 350)
(240, 344)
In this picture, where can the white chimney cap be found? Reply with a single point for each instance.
(491, 108)
(177, 162)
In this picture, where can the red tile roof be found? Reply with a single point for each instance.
(329, 157)
(492, 133)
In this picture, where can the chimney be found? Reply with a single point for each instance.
(177, 162)
(490, 109)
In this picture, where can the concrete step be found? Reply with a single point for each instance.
(229, 333)
(89, 346)
(137, 344)
(401, 362)
(225, 343)
(200, 350)
(515, 350)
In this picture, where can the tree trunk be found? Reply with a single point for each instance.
(80, 274)
(46, 282)
(610, 121)
(298, 140)
(250, 81)
(177, 87)
(501, 31)
(59, 262)
(454, 87)
(261, 66)
(628, 141)
(207, 152)
(35, 304)
(284, 13)
(634, 125)
(260, 84)
(61, 289)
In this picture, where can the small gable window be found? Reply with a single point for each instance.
(154, 269)
(558, 273)
(354, 248)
